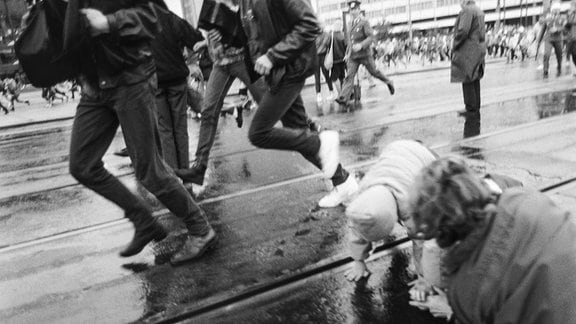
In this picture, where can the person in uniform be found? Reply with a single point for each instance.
(360, 53)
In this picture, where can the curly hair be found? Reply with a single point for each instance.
(448, 201)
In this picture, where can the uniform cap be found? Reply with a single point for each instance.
(354, 4)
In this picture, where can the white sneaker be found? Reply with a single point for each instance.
(319, 98)
(340, 194)
(329, 152)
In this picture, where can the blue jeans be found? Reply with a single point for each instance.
(219, 84)
(133, 108)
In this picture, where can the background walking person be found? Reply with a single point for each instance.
(468, 52)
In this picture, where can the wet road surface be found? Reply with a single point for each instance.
(59, 241)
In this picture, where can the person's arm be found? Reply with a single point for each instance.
(369, 32)
(137, 23)
(189, 35)
(300, 15)
(463, 28)
(359, 250)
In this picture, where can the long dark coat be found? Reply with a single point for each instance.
(468, 48)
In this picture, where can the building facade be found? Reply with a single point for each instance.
(435, 14)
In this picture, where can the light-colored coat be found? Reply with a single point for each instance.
(468, 48)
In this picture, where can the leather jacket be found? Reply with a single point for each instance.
(285, 31)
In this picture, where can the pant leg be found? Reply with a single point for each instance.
(547, 53)
(95, 125)
(257, 88)
(297, 118)
(558, 51)
(176, 95)
(218, 85)
(325, 72)
(368, 62)
(272, 108)
(471, 101)
(352, 69)
(317, 81)
(165, 128)
(135, 106)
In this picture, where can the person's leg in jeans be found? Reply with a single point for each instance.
(371, 67)
(558, 51)
(546, 58)
(94, 127)
(471, 92)
(347, 87)
(218, 86)
(285, 104)
(135, 106)
(168, 146)
(177, 100)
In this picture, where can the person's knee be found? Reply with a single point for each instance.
(258, 137)
(81, 172)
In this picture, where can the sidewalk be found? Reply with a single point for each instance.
(38, 113)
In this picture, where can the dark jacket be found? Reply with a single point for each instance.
(285, 31)
(122, 56)
(168, 45)
(521, 268)
(468, 49)
(361, 33)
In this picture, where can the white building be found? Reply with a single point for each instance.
(431, 14)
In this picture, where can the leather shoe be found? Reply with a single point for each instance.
(194, 247)
(341, 101)
(142, 237)
(194, 174)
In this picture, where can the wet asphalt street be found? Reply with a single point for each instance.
(279, 259)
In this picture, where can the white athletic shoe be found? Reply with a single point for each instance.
(340, 194)
(329, 152)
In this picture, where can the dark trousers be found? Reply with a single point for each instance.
(352, 69)
(548, 45)
(471, 93)
(133, 108)
(571, 51)
(218, 86)
(325, 72)
(285, 104)
(171, 104)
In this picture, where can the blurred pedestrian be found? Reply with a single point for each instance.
(229, 64)
(510, 257)
(324, 48)
(552, 33)
(571, 35)
(172, 94)
(118, 88)
(281, 35)
(338, 71)
(468, 52)
(360, 53)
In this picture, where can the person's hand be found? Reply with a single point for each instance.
(420, 290)
(357, 47)
(97, 21)
(198, 45)
(214, 35)
(357, 272)
(263, 65)
(436, 304)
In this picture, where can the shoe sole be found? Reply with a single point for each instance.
(210, 245)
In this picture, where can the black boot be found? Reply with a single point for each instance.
(142, 237)
(194, 174)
